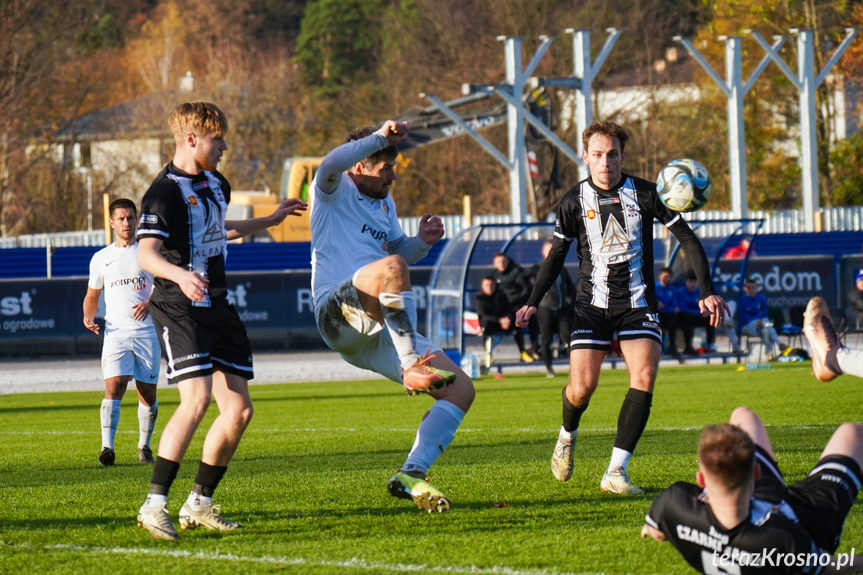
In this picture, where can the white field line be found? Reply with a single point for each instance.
(413, 429)
(352, 563)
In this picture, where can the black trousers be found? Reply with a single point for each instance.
(552, 322)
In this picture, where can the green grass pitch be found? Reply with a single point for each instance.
(309, 480)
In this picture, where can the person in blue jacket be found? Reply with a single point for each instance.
(689, 315)
(753, 318)
(665, 301)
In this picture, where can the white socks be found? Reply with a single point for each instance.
(850, 360)
(400, 316)
(109, 414)
(567, 436)
(146, 422)
(434, 435)
(619, 458)
(197, 501)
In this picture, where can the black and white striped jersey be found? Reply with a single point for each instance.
(188, 213)
(614, 234)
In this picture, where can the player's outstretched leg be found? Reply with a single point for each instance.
(414, 485)
(822, 339)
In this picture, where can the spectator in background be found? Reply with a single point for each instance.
(738, 252)
(665, 299)
(512, 280)
(497, 317)
(553, 311)
(753, 316)
(689, 315)
(855, 299)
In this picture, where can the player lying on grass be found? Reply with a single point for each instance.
(741, 517)
(364, 306)
(830, 358)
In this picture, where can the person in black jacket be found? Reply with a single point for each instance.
(496, 317)
(516, 284)
(553, 311)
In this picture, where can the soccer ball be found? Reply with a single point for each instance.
(684, 185)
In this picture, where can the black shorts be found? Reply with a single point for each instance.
(821, 501)
(197, 340)
(594, 328)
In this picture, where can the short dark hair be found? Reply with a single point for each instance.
(122, 204)
(390, 152)
(728, 453)
(691, 275)
(609, 129)
(489, 278)
(667, 269)
(751, 280)
(500, 254)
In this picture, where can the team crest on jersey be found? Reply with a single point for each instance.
(591, 214)
(385, 207)
(192, 200)
(614, 239)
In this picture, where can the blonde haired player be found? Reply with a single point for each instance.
(130, 348)
(183, 235)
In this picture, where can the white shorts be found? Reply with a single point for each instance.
(346, 328)
(125, 354)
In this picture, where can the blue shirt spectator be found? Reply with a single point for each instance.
(665, 295)
(687, 298)
(752, 306)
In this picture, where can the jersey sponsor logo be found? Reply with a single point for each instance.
(138, 283)
(200, 185)
(591, 214)
(614, 239)
(192, 200)
(607, 201)
(215, 232)
(632, 211)
(376, 234)
(148, 219)
(650, 324)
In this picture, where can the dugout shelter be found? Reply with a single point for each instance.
(455, 282)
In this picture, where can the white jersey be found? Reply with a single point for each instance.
(116, 271)
(349, 230)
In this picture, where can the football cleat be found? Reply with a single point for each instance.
(145, 454)
(415, 486)
(525, 357)
(821, 337)
(617, 481)
(155, 519)
(208, 518)
(562, 461)
(422, 378)
(107, 456)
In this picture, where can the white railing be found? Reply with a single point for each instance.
(847, 218)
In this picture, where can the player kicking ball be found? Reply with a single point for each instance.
(364, 306)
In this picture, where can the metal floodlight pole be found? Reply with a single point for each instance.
(806, 83)
(585, 72)
(734, 87)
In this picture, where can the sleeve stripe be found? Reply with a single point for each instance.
(673, 221)
(649, 520)
(557, 234)
(144, 232)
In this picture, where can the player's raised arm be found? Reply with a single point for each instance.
(242, 228)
